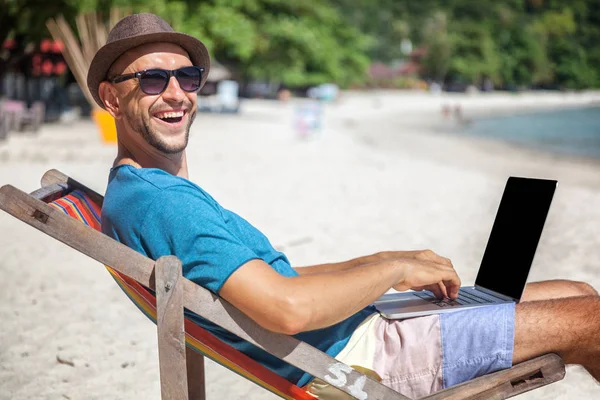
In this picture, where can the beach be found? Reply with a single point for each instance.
(385, 172)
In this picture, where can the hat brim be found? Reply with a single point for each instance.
(107, 55)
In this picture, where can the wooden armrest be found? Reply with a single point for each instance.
(519, 379)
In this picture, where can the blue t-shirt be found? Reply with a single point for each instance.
(159, 214)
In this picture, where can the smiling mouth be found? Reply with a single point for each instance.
(171, 117)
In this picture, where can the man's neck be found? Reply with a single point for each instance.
(174, 164)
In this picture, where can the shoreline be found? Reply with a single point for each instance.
(430, 135)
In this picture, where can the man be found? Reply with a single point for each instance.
(147, 77)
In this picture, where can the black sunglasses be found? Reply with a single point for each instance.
(155, 81)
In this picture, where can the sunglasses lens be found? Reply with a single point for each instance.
(154, 81)
(189, 78)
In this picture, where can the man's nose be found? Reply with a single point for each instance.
(173, 91)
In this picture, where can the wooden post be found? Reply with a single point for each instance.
(195, 375)
(171, 334)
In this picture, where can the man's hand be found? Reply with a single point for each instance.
(425, 270)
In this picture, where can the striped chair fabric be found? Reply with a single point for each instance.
(77, 205)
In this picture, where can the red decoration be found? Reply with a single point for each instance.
(58, 47)
(60, 68)
(47, 67)
(9, 44)
(46, 46)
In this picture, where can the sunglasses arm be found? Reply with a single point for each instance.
(122, 78)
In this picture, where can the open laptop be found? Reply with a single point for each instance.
(506, 262)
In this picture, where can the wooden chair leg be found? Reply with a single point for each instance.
(171, 334)
(195, 375)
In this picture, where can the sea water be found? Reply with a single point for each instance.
(574, 132)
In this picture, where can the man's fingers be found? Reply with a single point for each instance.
(437, 291)
(452, 284)
(439, 278)
(443, 289)
(452, 290)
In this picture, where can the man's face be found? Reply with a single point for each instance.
(163, 120)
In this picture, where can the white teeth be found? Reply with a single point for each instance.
(174, 114)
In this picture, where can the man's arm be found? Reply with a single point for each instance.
(339, 266)
(373, 258)
(314, 301)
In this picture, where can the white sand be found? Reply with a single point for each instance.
(379, 177)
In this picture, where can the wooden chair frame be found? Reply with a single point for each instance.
(174, 292)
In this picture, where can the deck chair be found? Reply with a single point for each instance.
(70, 212)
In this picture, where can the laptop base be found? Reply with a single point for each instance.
(418, 304)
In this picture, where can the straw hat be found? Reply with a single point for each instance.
(136, 30)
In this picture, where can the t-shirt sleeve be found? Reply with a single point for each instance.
(184, 223)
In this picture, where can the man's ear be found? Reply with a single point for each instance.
(110, 99)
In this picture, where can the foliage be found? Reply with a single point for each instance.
(513, 43)
(439, 45)
(300, 43)
(27, 18)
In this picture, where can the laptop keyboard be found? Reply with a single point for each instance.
(464, 298)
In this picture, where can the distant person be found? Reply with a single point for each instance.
(488, 85)
(435, 88)
(284, 94)
(460, 117)
(446, 111)
(308, 119)
(150, 87)
(458, 114)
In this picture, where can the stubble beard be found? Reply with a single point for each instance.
(153, 138)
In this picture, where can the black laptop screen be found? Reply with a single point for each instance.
(515, 235)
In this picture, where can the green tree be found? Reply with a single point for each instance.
(516, 43)
(572, 32)
(439, 47)
(304, 42)
(475, 55)
(297, 43)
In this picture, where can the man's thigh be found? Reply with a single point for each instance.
(556, 289)
(561, 325)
